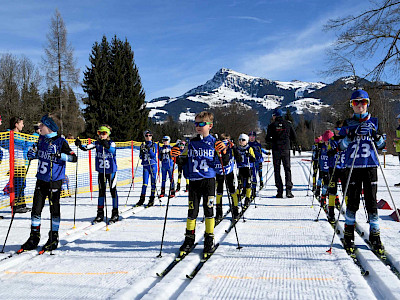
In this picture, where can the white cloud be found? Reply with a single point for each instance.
(251, 19)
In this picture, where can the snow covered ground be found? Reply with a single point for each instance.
(283, 255)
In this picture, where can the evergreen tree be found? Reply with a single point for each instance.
(32, 104)
(115, 93)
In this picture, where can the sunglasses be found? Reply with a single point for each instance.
(357, 102)
(102, 132)
(202, 124)
(148, 135)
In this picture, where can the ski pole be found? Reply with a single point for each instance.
(384, 178)
(51, 200)
(308, 179)
(13, 212)
(166, 214)
(132, 183)
(76, 185)
(345, 193)
(330, 181)
(229, 199)
(105, 187)
(253, 181)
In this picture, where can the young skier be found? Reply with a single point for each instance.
(315, 161)
(106, 166)
(244, 176)
(337, 171)
(148, 155)
(181, 160)
(202, 152)
(396, 142)
(234, 155)
(323, 180)
(167, 164)
(52, 152)
(360, 132)
(259, 160)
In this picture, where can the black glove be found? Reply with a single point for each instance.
(104, 143)
(143, 148)
(78, 142)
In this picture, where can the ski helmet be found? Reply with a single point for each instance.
(244, 136)
(327, 135)
(166, 138)
(398, 116)
(358, 95)
(277, 112)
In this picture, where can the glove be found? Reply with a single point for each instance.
(220, 146)
(175, 151)
(231, 144)
(78, 142)
(31, 154)
(52, 149)
(143, 148)
(104, 143)
(366, 129)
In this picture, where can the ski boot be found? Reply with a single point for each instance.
(186, 189)
(337, 202)
(348, 242)
(253, 194)
(114, 216)
(172, 193)
(289, 194)
(247, 202)
(52, 242)
(209, 246)
(331, 214)
(323, 201)
(32, 242)
(397, 184)
(279, 194)
(162, 194)
(235, 213)
(376, 244)
(188, 243)
(218, 211)
(261, 184)
(151, 201)
(100, 216)
(178, 186)
(141, 200)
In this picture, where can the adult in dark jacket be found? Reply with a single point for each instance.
(280, 134)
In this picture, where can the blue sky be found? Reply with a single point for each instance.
(180, 44)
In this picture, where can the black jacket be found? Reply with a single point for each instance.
(280, 133)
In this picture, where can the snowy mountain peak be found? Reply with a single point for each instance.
(228, 86)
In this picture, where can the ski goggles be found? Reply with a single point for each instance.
(356, 102)
(147, 135)
(338, 128)
(202, 124)
(103, 130)
(242, 140)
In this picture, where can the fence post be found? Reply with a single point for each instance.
(90, 170)
(12, 166)
(133, 176)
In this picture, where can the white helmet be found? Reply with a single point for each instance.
(244, 136)
(166, 138)
(398, 116)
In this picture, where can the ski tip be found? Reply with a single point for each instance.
(41, 252)
(159, 274)
(20, 251)
(189, 277)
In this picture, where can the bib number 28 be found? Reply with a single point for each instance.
(104, 164)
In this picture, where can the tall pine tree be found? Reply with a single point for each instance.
(115, 93)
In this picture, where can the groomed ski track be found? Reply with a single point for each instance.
(283, 255)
